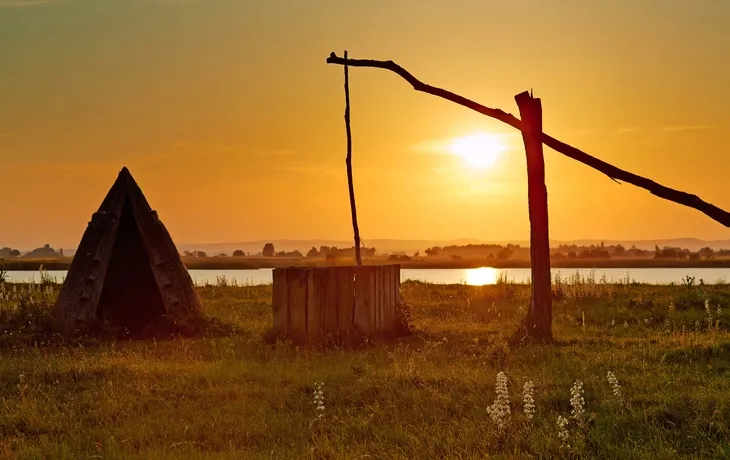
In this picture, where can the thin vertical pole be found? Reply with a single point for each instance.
(539, 316)
(348, 162)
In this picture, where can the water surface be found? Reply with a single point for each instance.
(472, 276)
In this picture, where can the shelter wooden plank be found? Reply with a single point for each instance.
(330, 295)
(296, 282)
(345, 299)
(364, 314)
(280, 301)
(315, 302)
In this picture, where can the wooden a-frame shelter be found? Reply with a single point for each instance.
(126, 270)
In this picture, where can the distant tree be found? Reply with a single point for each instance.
(312, 253)
(417, 254)
(404, 258)
(455, 257)
(222, 254)
(296, 254)
(433, 251)
(200, 254)
(572, 255)
(187, 253)
(706, 252)
(505, 253)
(393, 257)
(238, 253)
(14, 253)
(268, 250)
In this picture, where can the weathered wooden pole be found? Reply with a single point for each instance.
(539, 316)
(348, 162)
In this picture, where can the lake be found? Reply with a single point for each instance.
(472, 276)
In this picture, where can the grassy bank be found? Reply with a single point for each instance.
(250, 263)
(227, 394)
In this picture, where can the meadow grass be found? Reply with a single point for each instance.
(228, 394)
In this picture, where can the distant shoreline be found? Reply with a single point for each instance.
(253, 263)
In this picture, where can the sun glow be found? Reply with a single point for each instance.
(479, 151)
(481, 276)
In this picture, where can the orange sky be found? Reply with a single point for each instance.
(231, 122)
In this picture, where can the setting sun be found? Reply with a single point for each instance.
(479, 151)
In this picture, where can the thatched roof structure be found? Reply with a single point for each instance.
(126, 270)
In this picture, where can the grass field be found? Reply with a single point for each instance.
(227, 394)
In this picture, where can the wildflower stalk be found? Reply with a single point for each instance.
(499, 411)
(563, 433)
(528, 400)
(318, 399)
(615, 387)
(577, 402)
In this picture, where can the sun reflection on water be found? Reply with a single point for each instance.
(481, 276)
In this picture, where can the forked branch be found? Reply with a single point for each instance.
(615, 173)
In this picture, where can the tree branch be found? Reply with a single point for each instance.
(615, 173)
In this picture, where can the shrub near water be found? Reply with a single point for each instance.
(227, 394)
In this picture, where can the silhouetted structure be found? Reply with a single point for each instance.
(538, 323)
(126, 270)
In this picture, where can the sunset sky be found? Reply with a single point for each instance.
(232, 123)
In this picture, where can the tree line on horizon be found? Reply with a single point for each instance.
(486, 251)
(269, 250)
(44, 252)
(573, 251)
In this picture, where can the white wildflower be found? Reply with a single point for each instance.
(577, 402)
(667, 324)
(626, 324)
(719, 311)
(613, 381)
(563, 430)
(528, 399)
(613, 322)
(499, 411)
(318, 400)
(710, 322)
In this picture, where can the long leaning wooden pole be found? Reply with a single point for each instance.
(538, 323)
(348, 162)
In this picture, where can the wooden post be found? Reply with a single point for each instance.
(539, 316)
(348, 162)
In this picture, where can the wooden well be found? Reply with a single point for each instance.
(342, 302)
